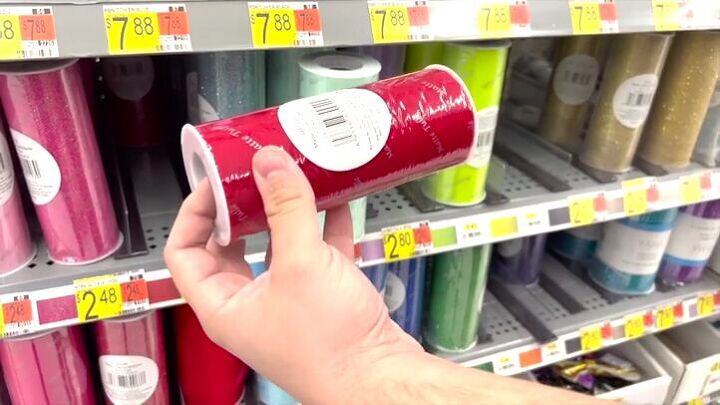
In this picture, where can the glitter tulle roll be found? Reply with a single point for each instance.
(577, 67)
(391, 58)
(707, 149)
(377, 276)
(223, 84)
(624, 99)
(349, 143)
(420, 56)
(281, 68)
(693, 237)
(137, 107)
(132, 359)
(48, 368)
(208, 374)
(54, 138)
(577, 244)
(404, 291)
(685, 91)
(518, 261)
(16, 247)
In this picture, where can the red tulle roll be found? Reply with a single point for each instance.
(48, 368)
(349, 143)
(132, 360)
(208, 373)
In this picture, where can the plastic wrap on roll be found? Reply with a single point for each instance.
(132, 361)
(404, 289)
(48, 368)
(684, 94)
(377, 275)
(207, 373)
(54, 138)
(577, 244)
(693, 238)
(456, 293)
(349, 143)
(270, 394)
(628, 255)
(482, 66)
(518, 261)
(136, 100)
(707, 149)
(391, 58)
(223, 84)
(420, 56)
(626, 94)
(578, 63)
(16, 247)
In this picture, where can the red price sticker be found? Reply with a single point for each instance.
(27, 33)
(18, 317)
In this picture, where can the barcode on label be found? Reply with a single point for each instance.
(339, 131)
(485, 138)
(577, 77)
(420, 37)
(126, 380)
(638, 99)
(2, 163)
(31, 168)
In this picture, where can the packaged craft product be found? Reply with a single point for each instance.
(629, 253)
(578, 62)
(207, 373)
(135, 99)
(457, 288)
(49, 367)
(377, 275)
(132, 359)
(270, 394)
(330, 71)
(55, 141)
(404, 289)
(707, 149)
(518, 261)
(482, 66)
(16, 247)
(626, 93)
(391, 58)
(419, 56)
(368, 139)
(223, 84)
(576, 244)
(693, 238)
(684, 94)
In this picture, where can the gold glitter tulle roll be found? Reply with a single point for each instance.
(629, 84)
(686, 88)
(577, 67)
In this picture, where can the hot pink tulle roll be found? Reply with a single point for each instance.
(16, 248)
(132, 360)
(49, 368)
(54, 138)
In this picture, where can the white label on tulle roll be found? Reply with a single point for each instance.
(128, 380)
(509, 248)
(631, 250)
(575, 78)
(693, 238)
(337, 131)
(206, 111)
(41, 171)
(485, 123)
(632, 100)
(394, 292)
(7, 180)
(129, 78)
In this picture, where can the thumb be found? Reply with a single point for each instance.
(289, 205)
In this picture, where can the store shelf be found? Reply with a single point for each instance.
(225, 25)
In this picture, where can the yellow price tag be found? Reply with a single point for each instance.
(665, 318)
(635, 201)
(98, 298)
(582, 211)
(495, 19)
(585, 16)
(389, 23)
(665, 15)
(399, 244)
(696, 401)
(273, 27)
(634, 326)
(10, 37)
(504, 226)
(132, 32)
(591, 338)
(706, 305)
(690, 189)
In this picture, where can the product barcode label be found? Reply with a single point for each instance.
(27, 33)
(339, 131)
(632, 99)
(31, 168)
(582, 78)
(7, 177)
(126, 381)
(486, 121)
(2, 161)
(639, 99)
(41, 171)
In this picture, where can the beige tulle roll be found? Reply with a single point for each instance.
(624, 100)
(686, 88)
(577, 67)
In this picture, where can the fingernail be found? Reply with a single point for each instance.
(268, 160)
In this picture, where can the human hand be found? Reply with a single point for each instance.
(313, 322)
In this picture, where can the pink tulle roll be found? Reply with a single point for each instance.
(48, 368)
(54, 138)
(16, 248)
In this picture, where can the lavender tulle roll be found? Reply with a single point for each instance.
(691, 243)
(391, 57)
(518, 261)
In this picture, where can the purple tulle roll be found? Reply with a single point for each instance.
(518, 261)
(391, 58)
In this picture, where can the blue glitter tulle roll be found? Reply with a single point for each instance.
(404, 289)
